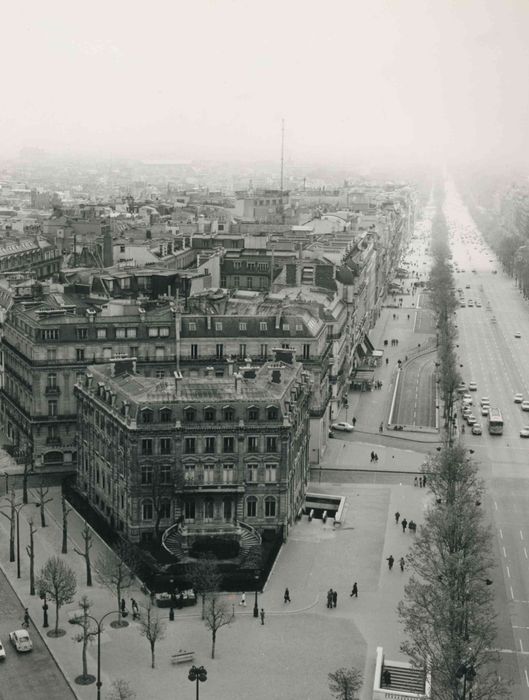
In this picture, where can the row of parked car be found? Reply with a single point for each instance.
(466, 407)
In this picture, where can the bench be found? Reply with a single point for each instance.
(182, 657)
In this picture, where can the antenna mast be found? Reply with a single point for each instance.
(282, 153)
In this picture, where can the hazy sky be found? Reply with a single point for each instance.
(214, 78)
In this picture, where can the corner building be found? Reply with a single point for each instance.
(203, 455)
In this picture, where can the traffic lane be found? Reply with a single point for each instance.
(33, 674)
(415, 397)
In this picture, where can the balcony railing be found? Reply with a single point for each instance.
(52, 391)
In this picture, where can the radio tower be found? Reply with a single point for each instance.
(282, 167)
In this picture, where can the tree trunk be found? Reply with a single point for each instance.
(12, 538)
(203, 605)
(85, 644)
(152, 656)
(56, 616)
(64, 549)
(42, 517)
(213, 640)
(88, 569)
(32, 570)
(25, 486)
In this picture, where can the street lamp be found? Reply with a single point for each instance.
(44, 610)
(98, 623)
(198, 674)
(255, 605)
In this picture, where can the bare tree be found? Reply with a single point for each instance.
(86, 534)
(66, 510)
(28, 469)
(216, 615)
(85, 636)
(31, 554)
(152, 628)
(57, 580)
(344, 683)
(116, 573)
(121, 690)
(41, 502)
(205, 577)
(11, 516)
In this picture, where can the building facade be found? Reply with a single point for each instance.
(206, 454)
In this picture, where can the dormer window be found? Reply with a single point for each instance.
(272, 413)
(165, 415)
(253, 413)
(229, 413)
(190, 414)
(146, 415)
(209, 414)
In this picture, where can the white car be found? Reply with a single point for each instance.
(485, 410)
(472, 386)
(484, 401)
(21, 640)
(2, 652)
(471, 419)
(346, 427)
(518, 398)
(476, 429)
(524, 405)
(524, 432)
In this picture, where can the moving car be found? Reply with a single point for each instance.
(485, 410)
(518, 398)
(484, 401)
(517, 334)
(467, 399)
(471, 419)
(524, 432)
(346, 427)
(2, 652)
(21, 640)
(472, 386)
(476, 429)
(524, 405)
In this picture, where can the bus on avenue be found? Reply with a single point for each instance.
(495, 421)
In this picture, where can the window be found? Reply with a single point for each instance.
(264, 350)
(81, 333)
(219, 350)
(165, 415)
(52, 380)
(228, 444)
(270, 472)
(133, 351)
(146, 446)
(189, 472)
(271, 443)
(160, 373)
(263, 326)
(262, 267)
(166, 445)
(121, 333)
(165, 474)
(165, 509)
(159, 352)
(189, 511)
(190, 445)
(229, 413)
(146, 416)
(190, 414)
(192, 326)
(249, 282)
(209, 509)
(253, 445)
(50, 334)
(51, 355)
(210, 445)
(299, 327)
(79, 355)
(209, 414)
(164, 332)
(286, 327)
(236, 280)
(272, 413)
(146, 510)
(101, 333)
(253, 413)
(251, 472)
(227, 473)
(52, 407)
(242, 326)
(153, 332)
(270, 507)
(146, 474)
(218, 325)
(209, 473)
(251, 507)
(306, 351)
(250, 266)
(242, 350)
(107, 353)
(236, 265)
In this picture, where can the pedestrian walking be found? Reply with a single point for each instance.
(420, 481)
(354, 421)
(415, 481)
(424, 480)
(329, 598)
(397, 516)
(402, 563)
(386, 677)
(242, 601)
(334, 598)
(372, 456)
(26, 618)
(390, 561)
(354, 592)
(262, 616)
(376, 457)
(387, 361)
(286, 597)
(412, 526)
(404, 524)
(134, 608)
(381, 427)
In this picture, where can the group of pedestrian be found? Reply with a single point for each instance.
(332, 598)
(405, 524)
(391, 560)
(378, 384)
(395, 318)
(374, 456)
(420, 481)
(394, 342)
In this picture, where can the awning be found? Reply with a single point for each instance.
(360, 350)
(363, 375)
(369, 345)
(378, 353)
